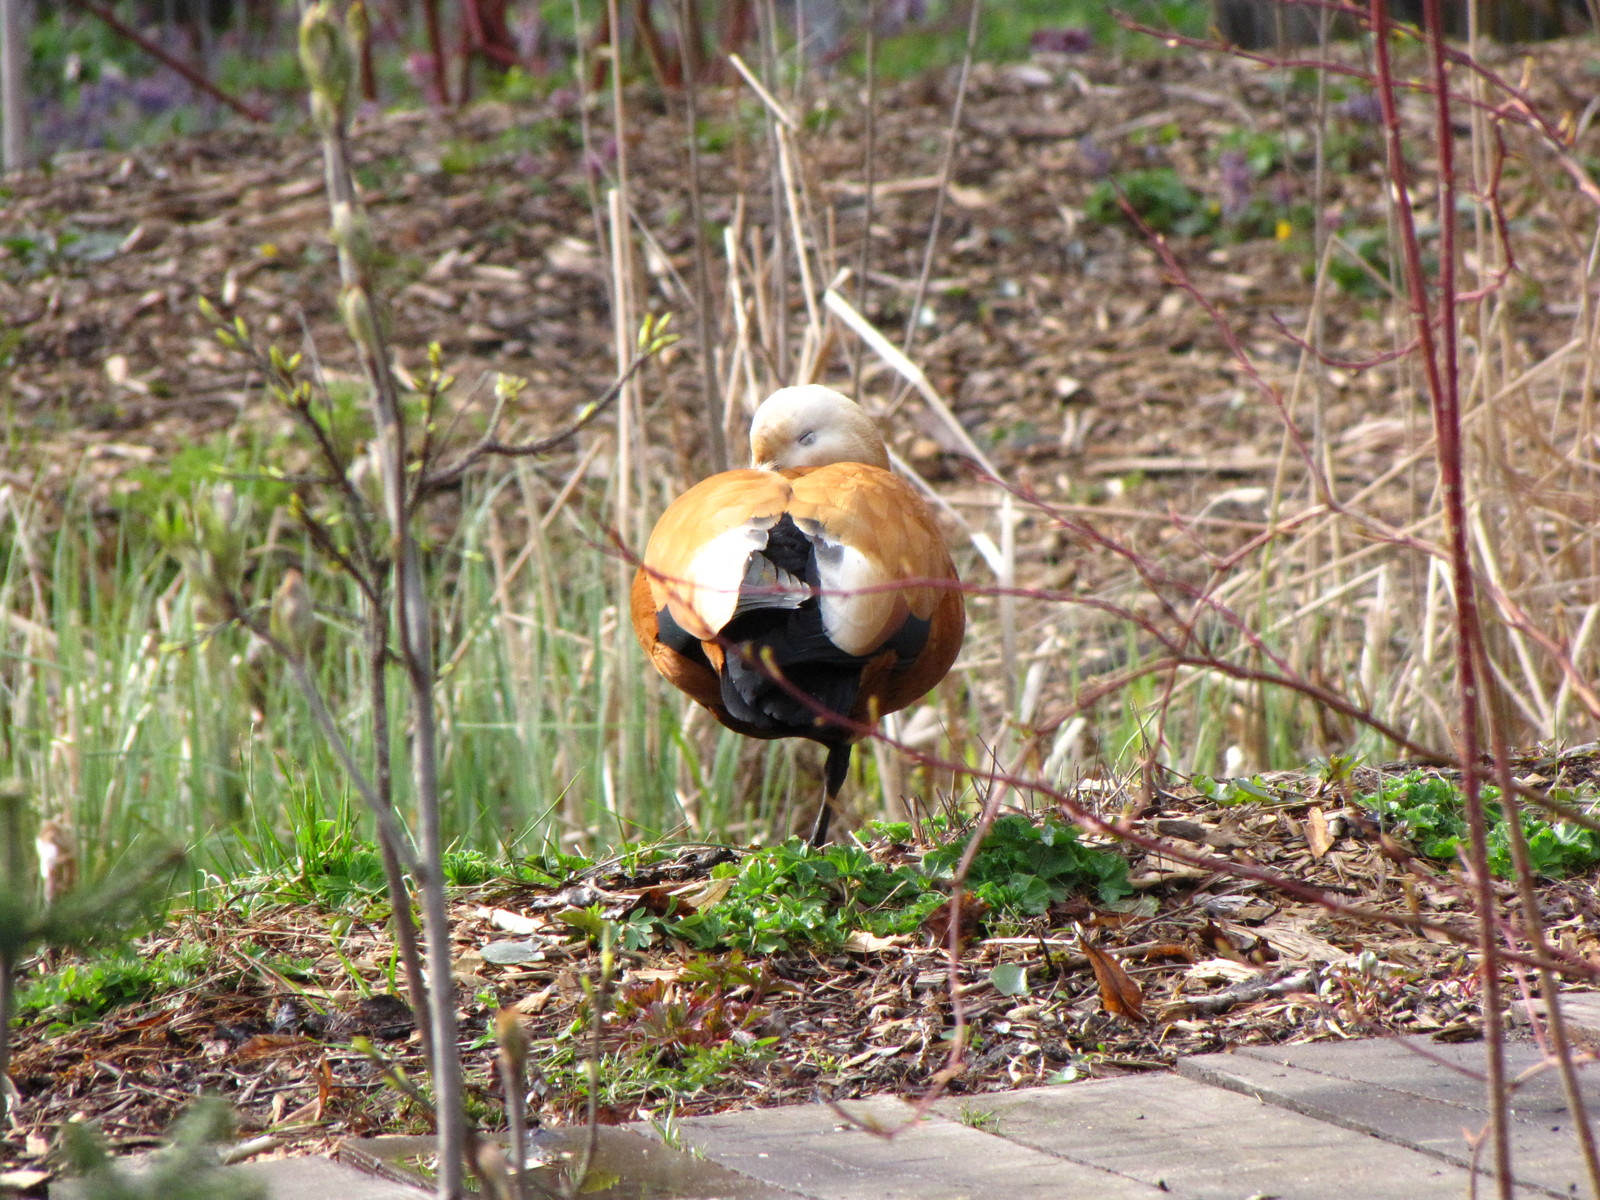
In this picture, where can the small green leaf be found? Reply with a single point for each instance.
(1010, 979)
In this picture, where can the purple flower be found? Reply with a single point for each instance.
(1233, 171)
(1364, 108)
(1096, 158)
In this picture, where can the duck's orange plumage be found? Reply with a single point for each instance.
(817, 580)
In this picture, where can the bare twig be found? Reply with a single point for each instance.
(191, 74)
(327, 57)
(1438, 361)
(489, 445)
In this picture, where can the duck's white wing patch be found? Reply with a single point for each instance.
(856, 607)
(708, 595)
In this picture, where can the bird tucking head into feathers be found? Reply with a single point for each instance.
(807, 596)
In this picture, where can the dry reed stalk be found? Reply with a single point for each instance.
(946, 176)
(627, 480)
(685, 12)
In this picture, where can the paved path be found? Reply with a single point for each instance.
(1367, 1120)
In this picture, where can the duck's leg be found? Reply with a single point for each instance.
(834, 770)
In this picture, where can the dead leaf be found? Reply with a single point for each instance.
(324, 1087)
(1183, 830)
(972, 914)
(1318, 835)
(534, 1004)
(265, 1045)
(862, 942)
(656, 975)
(1120, 995)
(1236, 906)
(1161, 951)
(697, 897)
(1295, 945)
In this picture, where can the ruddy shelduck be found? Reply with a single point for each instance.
(813, 586)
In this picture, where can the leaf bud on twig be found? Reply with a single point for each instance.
(360, 322)
(512, 1038)
(352, 233)
(325, 55)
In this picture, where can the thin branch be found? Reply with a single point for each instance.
(190, 73)
(1439, 365)
(447, 477)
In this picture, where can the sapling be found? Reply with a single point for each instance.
(369, 535)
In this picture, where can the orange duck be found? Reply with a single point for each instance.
(813, 585)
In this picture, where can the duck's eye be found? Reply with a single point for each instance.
(806, 438)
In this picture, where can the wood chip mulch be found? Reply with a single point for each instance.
(1217, 962)
(1065, 345)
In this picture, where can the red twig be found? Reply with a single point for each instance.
(1519, 108)
(1437, 357)
(441, 82)
(189, 72)
(1339, 364)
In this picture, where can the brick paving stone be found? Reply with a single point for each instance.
(809, 1150)
(1381, 1119)
(632, 1154)
(296, 1179)
(1582, 1010)
(1415, 1092)
(1203, 1143)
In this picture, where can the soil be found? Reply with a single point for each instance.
(1064, 344)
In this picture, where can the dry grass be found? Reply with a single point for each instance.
(1167, 540)
(1329, 574)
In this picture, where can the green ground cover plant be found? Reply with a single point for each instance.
(86, 988)
(1162, 200)
(1428, 811)
(792, 897)
(1024, 866)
